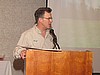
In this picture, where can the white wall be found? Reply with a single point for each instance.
(16, 16)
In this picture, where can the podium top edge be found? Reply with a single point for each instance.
(57, 50)
(51, 50)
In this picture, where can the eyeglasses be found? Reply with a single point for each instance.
(50, 18)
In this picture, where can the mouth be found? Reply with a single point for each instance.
(50, 25)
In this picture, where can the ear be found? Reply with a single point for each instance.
(40, 20)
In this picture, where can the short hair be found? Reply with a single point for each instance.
(40, 12)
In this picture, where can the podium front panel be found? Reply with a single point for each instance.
(40, 62)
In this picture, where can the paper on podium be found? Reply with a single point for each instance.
(43, 49)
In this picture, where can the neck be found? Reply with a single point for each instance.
(42, 29)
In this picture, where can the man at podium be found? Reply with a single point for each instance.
(40, 36)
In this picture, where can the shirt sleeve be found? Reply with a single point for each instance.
(21, 43)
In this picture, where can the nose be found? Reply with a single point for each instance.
(51, 20)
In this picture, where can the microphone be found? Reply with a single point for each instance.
(54, 39)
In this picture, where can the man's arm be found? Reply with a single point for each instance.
(20, 51)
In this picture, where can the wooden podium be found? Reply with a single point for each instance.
(41, 62)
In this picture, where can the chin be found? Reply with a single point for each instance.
(49, 27)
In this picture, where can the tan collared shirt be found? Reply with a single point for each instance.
(32, 38)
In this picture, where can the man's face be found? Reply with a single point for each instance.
(47, 20)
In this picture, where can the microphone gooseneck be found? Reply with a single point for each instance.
(54, 39)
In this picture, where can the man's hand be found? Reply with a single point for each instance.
(23, 54)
